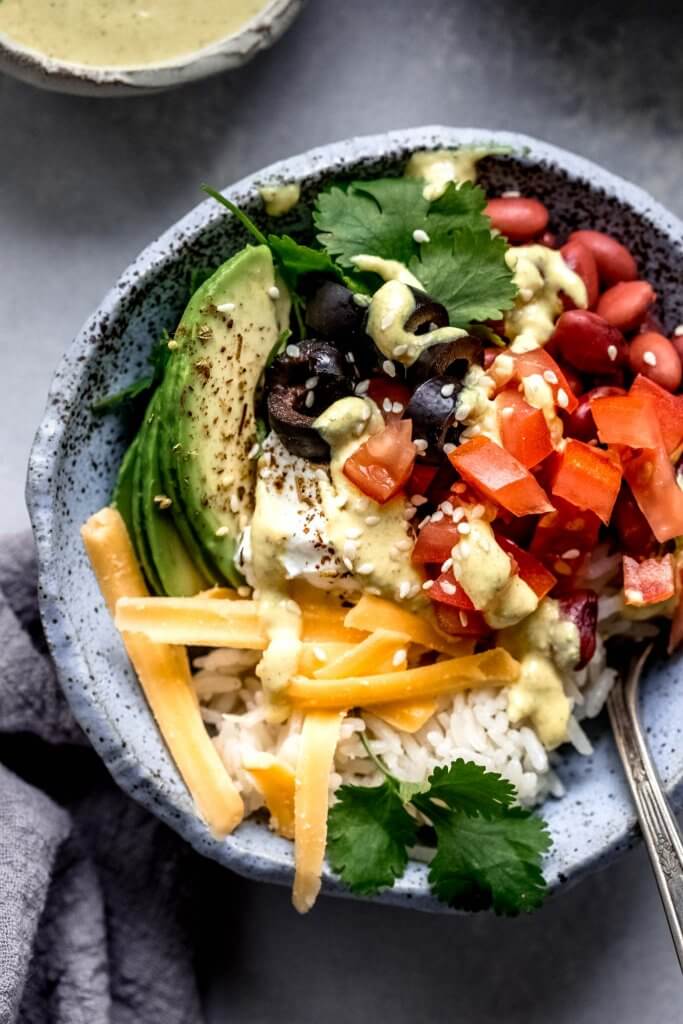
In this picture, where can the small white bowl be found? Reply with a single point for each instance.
(225, 54)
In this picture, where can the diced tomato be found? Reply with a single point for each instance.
(626, 419)
(458, 598)
(383, 464)
(540, 362)
(435, 541)
(500, 476)
(564, 538)
(393, 390)
(588, 478)
(422, 477)
(533, 572)
(458, 622)
(523, 429)
(668, 409)
(635, 536)
(652, 480)
(648, 582)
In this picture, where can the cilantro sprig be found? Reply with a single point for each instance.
(460, 264)
(488, 851)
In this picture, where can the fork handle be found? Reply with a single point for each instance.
(657, 822)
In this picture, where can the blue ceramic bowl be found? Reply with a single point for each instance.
(76, 455)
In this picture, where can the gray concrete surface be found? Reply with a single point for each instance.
(85, 184)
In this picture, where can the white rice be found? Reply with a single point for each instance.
(473, 725)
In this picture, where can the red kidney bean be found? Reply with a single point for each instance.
(582, 261)
(615, 262)
(625, 304)
(655, 357)
(573, 379)
(581, 608)
(589, 343)
(580, 423)
(677, 342)
(519, 219)
(634, 531)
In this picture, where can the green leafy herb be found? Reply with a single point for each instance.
(131, 395)
(488, 852)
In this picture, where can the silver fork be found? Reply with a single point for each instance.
(659, 827)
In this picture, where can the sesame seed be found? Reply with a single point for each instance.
(399, 657)
(464, 528)
(389, 368)
(448, 448)
(512, 193)
(341, 500)
(372, 520)
(418, 499)
(293, 350)
(365, 413)
(463, 618)
(397, 408)
(312, 382)
(507, 411)
(404, 545)
(464, 549)
(172, 344)
(562, 398)
(414, 590)
(265, 473)
(362, 504)
(400, 350)
(362, 387)
(235, 501)
(226, 307)
(321, 475)
(477, 512)
(447, 390)
(274, 292)
(404, 589)
(348, 563)
(320, 654)
(428, 584)
(354, 532)
(358, 429)
(612, 352)
(361, 300)
(244, 591)
(366, 568)
(447, 508)
(350, 549)
(420, 444)
(386, 321)
(650, 358)
(678, 331)
(447, 565)
(571, 553)
(458, 515)
(438, 516)
(409, 512)
(309, 400)
(222, 531)
(386, 405)
(550, 376)
(562, 568)
(254, 450)
(448, 588)
(162, 501)
(420, 236)
(634, 596)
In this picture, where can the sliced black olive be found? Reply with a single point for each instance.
(332, 313)
(427, 312)
(293, 426)
(451, 358)
(301, 386)
(432, 410)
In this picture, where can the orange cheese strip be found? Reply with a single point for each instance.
(275, 780)
(407, 716)
(319, 738)
(193, 621)
(373, 655)
(313, 655)
(164, 675)
(373, 613)
(490, 668)
(326, 625)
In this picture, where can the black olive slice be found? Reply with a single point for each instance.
(427, 312)
(332, 375)
(450, 358)
(432, 410)
(333, 314)
(294, 426)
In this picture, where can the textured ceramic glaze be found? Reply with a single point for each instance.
(76, 455)
(223, 55)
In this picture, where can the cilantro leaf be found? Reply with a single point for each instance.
(489, 862)
(297, 259)
(131, 395)
(467, 272)
(466, 786)
(368, 832)
(379, 217)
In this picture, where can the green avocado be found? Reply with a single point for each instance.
(207, 400)
(122, 498)
(175, 569)
(140, 540)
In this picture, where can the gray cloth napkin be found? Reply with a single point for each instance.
(98, 900)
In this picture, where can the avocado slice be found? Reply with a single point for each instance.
(225, 336)
(122, 498)
(140, 540)
(177, 573)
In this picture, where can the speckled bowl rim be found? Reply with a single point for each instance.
(71, 663)
(224, 54)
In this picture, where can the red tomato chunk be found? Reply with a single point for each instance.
(540, 362)
(588, 478)
(626, 419)
(648, 582)
(533, 572)
(523, 429)
(435, 542)
(382, 465)
(652, 480)
(500, 476)
(668, 408)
